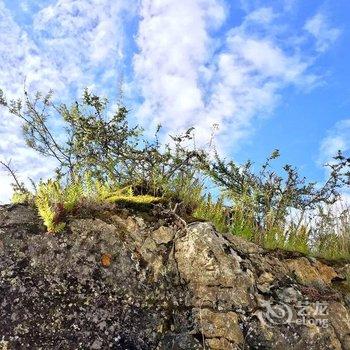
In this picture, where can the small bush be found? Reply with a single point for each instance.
(103, 159)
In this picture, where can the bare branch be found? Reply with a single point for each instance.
(17, 184)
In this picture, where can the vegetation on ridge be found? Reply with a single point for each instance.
(102, 159)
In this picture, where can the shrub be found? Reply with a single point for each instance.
(49, 214)
(103, 159)
(261, 202)
(99, 142)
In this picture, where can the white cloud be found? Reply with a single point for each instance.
(70, 43)
(324, 34)
(174, 48)
(338, 138)
(189, 78)
(83, 36)
(262, 15)
(21, 59)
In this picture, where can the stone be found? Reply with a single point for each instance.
(163, 235)
(304, 272)
(106, 260)
(327, 273)
(220, 325)
(213, 275)
(339, 317)
(220, 344)
(264, 282)
(289, 295)
(122, 282)
(243, 246)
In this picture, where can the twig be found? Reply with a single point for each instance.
(12, 173)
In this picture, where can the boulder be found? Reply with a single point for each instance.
(131, 280)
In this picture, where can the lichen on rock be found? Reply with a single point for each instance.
(124, 280)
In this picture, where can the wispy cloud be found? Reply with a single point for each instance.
(188, 77)
(323, 32)
(175, 47)
(20, 59)
(71, 45)
(84, 39)
(338, 138)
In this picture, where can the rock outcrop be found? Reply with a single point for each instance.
(128, 280)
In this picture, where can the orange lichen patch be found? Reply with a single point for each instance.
(327, 273)
(308, 273)
(106, 260)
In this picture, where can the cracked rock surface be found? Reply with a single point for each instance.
(128, 280)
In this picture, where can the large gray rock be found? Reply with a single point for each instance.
(115, 280)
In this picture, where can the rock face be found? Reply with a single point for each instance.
(126, 280)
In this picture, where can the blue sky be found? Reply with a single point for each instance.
(270, 74)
